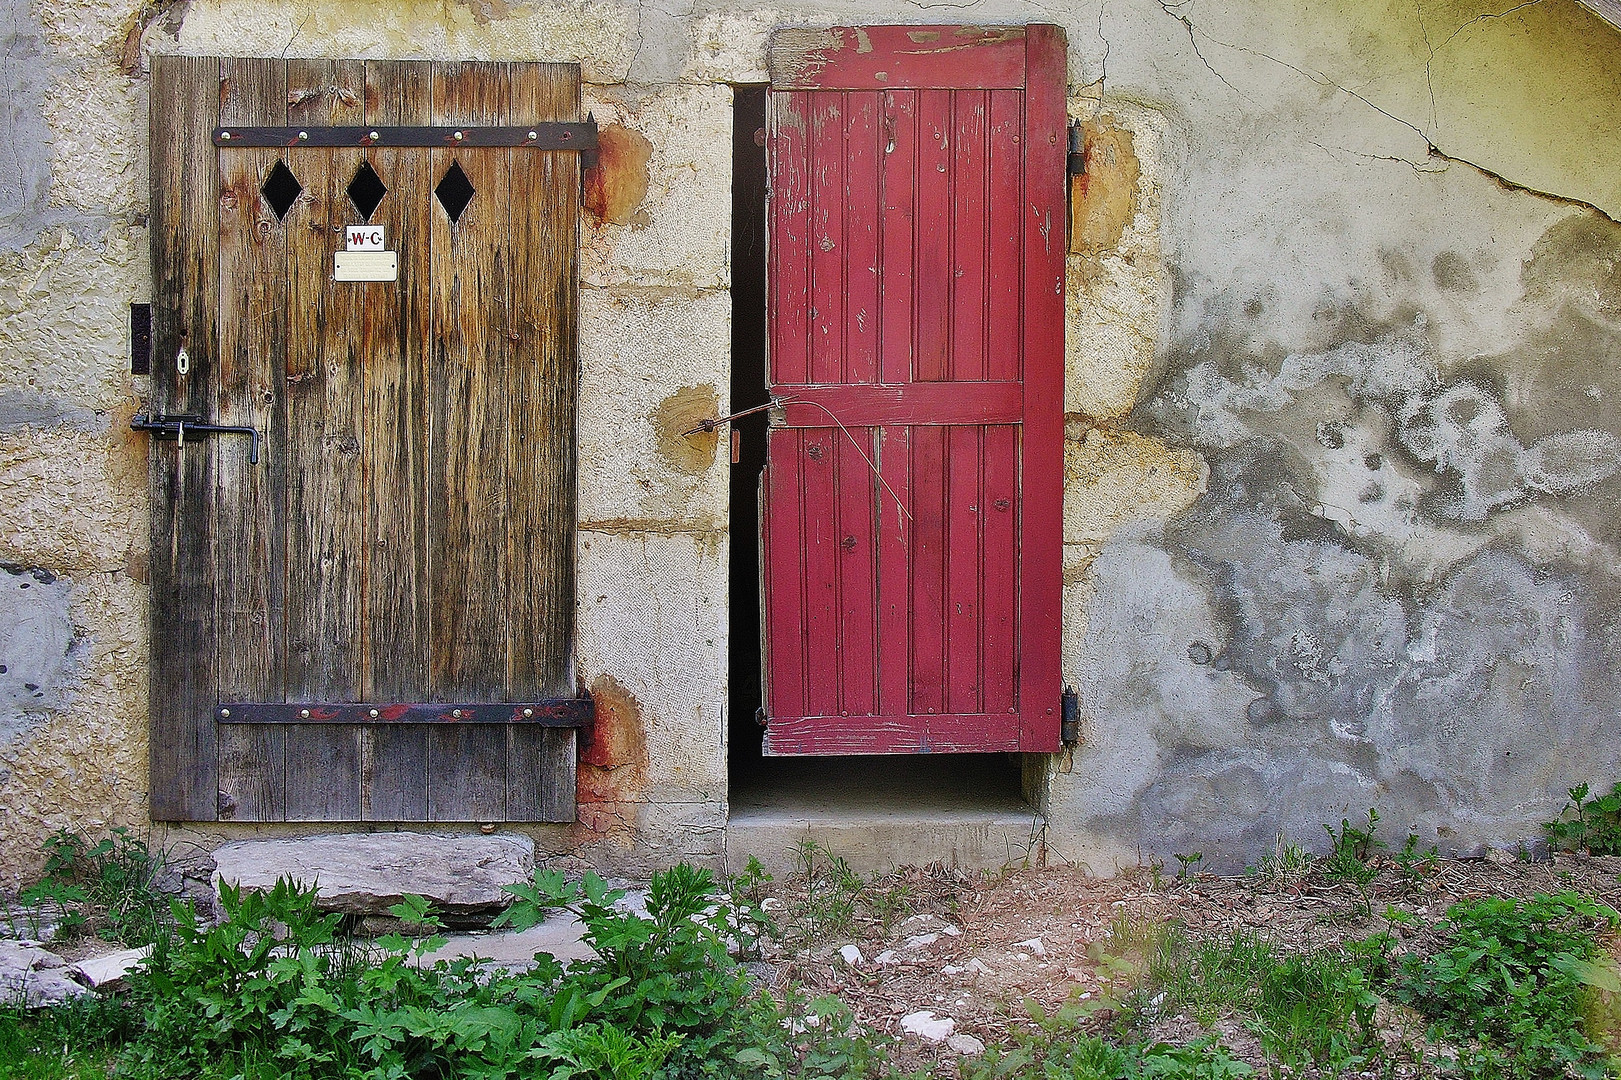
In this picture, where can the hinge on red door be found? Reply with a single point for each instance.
(1069, 728)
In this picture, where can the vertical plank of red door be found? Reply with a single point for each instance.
(790, 250)
(1041, 527)
(863, 213)
(827, 239)
(999, 511)
(968, 227)
(932, 270)
(897, 190)
(782, 552)
(250, 549)
(1005, 251)
(893, 447)
(964, 569)
(858, 614)
(928, 569)
(821, 625)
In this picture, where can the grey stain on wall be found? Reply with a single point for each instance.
(37, 642)
(1391, 595)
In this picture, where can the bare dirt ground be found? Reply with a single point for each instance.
(975, 948)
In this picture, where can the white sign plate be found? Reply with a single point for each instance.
(365, 266)
(364, 238)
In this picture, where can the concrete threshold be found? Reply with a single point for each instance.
(881, 813)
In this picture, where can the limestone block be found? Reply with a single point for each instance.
(652, 616)
(597, 36)
(651, 367)
(108, 971)
(1119, 292)
(367, 873)
(682, 236)
(37, 978)
(73, 499)
(730, 46)
(64, 315)
(1113, 477)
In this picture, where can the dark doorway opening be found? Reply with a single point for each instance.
(748, 390)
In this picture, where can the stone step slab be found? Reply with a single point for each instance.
(34, 977)
(364, 874)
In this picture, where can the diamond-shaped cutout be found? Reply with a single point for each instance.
(281, 189)
(366, 190)
(454, 192)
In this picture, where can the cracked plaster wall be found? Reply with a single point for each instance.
(1341, 460)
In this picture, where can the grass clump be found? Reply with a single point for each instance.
(107, 887)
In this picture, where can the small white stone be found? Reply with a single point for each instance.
(886, 957)
(1033, 944)
(851, 954)
(919, 941)
(771, 903)
(925, 1025)
(966, 1045)
(951, 931)
(949, 969)
(980, 966)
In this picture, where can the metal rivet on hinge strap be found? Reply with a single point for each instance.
(372, 713)
(528, 713)
(225, 136)
(457, 713)
(225, 714)
(304, 135)
(303, 714)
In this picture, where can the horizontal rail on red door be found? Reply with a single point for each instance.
(897, 57)
(939, 734)
(908, 405)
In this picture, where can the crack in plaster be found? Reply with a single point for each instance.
(1431, 148)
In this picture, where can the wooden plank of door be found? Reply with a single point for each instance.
(250, 506)
(326, 530)
(1042, 434)
(467, 447)
(185, 281)
(542, 382)
(397, 327)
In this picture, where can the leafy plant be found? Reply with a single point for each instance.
(1186, 863)
(114, 877)
(1349, 855)
(1590, 825)
(1415, 865)
(1509, 984)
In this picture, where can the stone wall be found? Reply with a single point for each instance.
(1341, 473)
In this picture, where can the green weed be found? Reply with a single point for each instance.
(1509, 985)
(1285, 866)
(110, 882)
(1590, 825)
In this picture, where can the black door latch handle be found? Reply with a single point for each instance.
(179, 426)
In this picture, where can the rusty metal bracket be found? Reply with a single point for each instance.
(551, 135)
(552, 712)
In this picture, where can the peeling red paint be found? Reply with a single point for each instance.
(613, 762)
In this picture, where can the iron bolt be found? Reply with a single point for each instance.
(224, 713)
(225, 136)
(374, 136)
(303, 714)
(533, 136)
(457, 713)
(528, 713)
(372, 714)
(458, 136)
(304, 135)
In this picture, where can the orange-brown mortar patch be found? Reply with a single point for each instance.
(615, 188)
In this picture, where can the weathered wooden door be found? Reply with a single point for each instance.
(913, 486)
(374, 621)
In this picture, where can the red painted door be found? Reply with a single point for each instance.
(913, 491)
